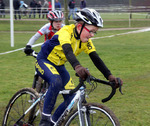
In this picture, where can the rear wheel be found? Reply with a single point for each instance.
(17, 106)
(99, 115)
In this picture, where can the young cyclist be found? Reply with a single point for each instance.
(64, 46)
(48, 30)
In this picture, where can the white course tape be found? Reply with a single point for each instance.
(20, 49)
(138, 31)
(131, 32)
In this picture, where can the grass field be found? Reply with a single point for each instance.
(127, 56)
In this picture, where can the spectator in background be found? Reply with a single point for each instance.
(50, 6)
(2, 9)
(39, 5)
(57, 5)
(23, 8)
(45, 8)
(71, 9)
(33, 5)
(148, 15)
(82, 4)
(16, 5)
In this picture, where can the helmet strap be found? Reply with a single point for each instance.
(81, 29)
(80, 33)
(52, 24)
(77, 35)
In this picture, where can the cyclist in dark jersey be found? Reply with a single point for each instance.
(48, 30)
(64, 46)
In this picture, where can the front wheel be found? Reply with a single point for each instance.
(17, 106)
(99, 115)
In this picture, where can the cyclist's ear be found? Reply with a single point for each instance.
(79, 26)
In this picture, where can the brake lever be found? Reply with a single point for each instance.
(119, 83)
(88, 80)
(120, 89)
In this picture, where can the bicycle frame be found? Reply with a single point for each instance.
(81, 110)
(79, 99)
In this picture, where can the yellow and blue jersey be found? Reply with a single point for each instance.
(53, 51)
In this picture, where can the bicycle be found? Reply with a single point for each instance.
(89, 114)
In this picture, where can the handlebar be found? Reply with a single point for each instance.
(112, 84)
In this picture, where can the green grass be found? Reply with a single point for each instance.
(21, 25)
(127, 56)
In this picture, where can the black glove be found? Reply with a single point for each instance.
(28, 50)
(82, 72)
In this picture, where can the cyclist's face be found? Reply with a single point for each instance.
(87, 32)
(57, 24)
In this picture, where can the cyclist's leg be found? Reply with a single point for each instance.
(49, 73)
(62, 107)
(68, 84)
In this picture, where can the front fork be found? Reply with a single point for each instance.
(84, 115)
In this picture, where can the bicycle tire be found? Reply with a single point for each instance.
(34, 81)
(17, 105)
(100, 115)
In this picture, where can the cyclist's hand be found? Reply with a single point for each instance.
(28, 50)
(111, 78)
(82, 72)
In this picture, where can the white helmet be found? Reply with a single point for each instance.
(90, 16)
